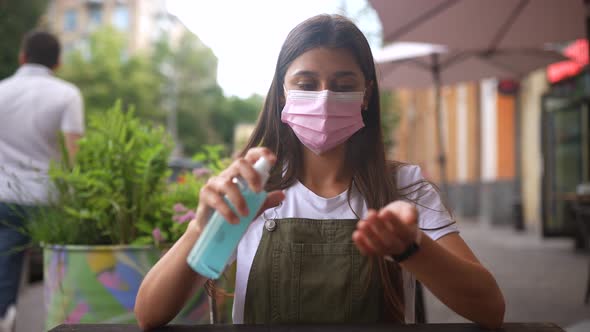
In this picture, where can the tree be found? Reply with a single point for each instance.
(203, 115)
(197, 92)
(104, 73)
(176, 85)
(234, 111)
(16, 19)
(389, 117)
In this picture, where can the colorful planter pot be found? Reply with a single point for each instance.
(98, 284)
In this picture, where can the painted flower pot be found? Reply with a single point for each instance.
(98, 284)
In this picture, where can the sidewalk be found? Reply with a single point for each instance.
(542, 280)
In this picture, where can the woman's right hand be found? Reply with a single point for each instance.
(212, 193)
(170, 283)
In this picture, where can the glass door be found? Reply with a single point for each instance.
(565, 155)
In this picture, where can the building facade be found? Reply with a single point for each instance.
(142, 21)
(479, 130)
(511, 158)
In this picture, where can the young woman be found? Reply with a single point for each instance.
(343, 233)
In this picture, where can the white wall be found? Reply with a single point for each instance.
(489, 132)
(531, 161)
(462, 134)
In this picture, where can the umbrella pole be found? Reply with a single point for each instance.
(442, 159)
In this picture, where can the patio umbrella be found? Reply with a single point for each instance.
(415, 65)
(418, 65)
(488, 39)
(482, 24)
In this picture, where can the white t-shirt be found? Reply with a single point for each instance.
(34, 107)
(300, 202)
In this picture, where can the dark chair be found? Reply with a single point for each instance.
(581, 208)
(419, 305)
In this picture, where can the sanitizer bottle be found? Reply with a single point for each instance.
(219, 239)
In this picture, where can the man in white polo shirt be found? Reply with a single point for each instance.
(35, 107)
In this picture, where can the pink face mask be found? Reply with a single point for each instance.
(323, 120)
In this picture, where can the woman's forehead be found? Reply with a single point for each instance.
(325, 62)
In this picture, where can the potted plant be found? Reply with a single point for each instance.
(112, 215)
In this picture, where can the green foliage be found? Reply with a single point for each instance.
(177, 207)
(233, 111)
(16, 19)
(182, 78)
(389, 117)
(178, 204)
(214, 157)
(104, 73)
(189, 75)
(117, 191)
(113, 193)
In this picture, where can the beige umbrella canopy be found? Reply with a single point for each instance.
(482, 24)
(485, 38)
(415, 65)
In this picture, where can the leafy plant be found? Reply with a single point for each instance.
(177, 209)
(180, 201)
(114, 190)
(213, 157)
(390, 111)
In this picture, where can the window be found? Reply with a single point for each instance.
(70, 20)
(67, 48)
(121, 17)
(95, 14)
(83, 46)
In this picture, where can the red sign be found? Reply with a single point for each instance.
(508, 87)
(578, 53)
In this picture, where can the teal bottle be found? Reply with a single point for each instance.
(212, 251)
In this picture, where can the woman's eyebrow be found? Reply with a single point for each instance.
(339, 74)
(305, 73)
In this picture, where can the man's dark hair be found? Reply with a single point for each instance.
(42, 48)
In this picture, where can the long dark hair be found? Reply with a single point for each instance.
(372, 175)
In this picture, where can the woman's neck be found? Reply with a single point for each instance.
(327, 175)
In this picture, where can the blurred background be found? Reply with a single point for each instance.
(500, 121)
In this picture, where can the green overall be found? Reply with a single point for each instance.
(310, 271)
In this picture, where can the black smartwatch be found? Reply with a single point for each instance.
(409, 252)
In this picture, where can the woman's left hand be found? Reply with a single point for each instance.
(388, 231)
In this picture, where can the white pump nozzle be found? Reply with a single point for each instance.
(262, 167)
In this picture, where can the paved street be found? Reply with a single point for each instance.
(542, 280)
